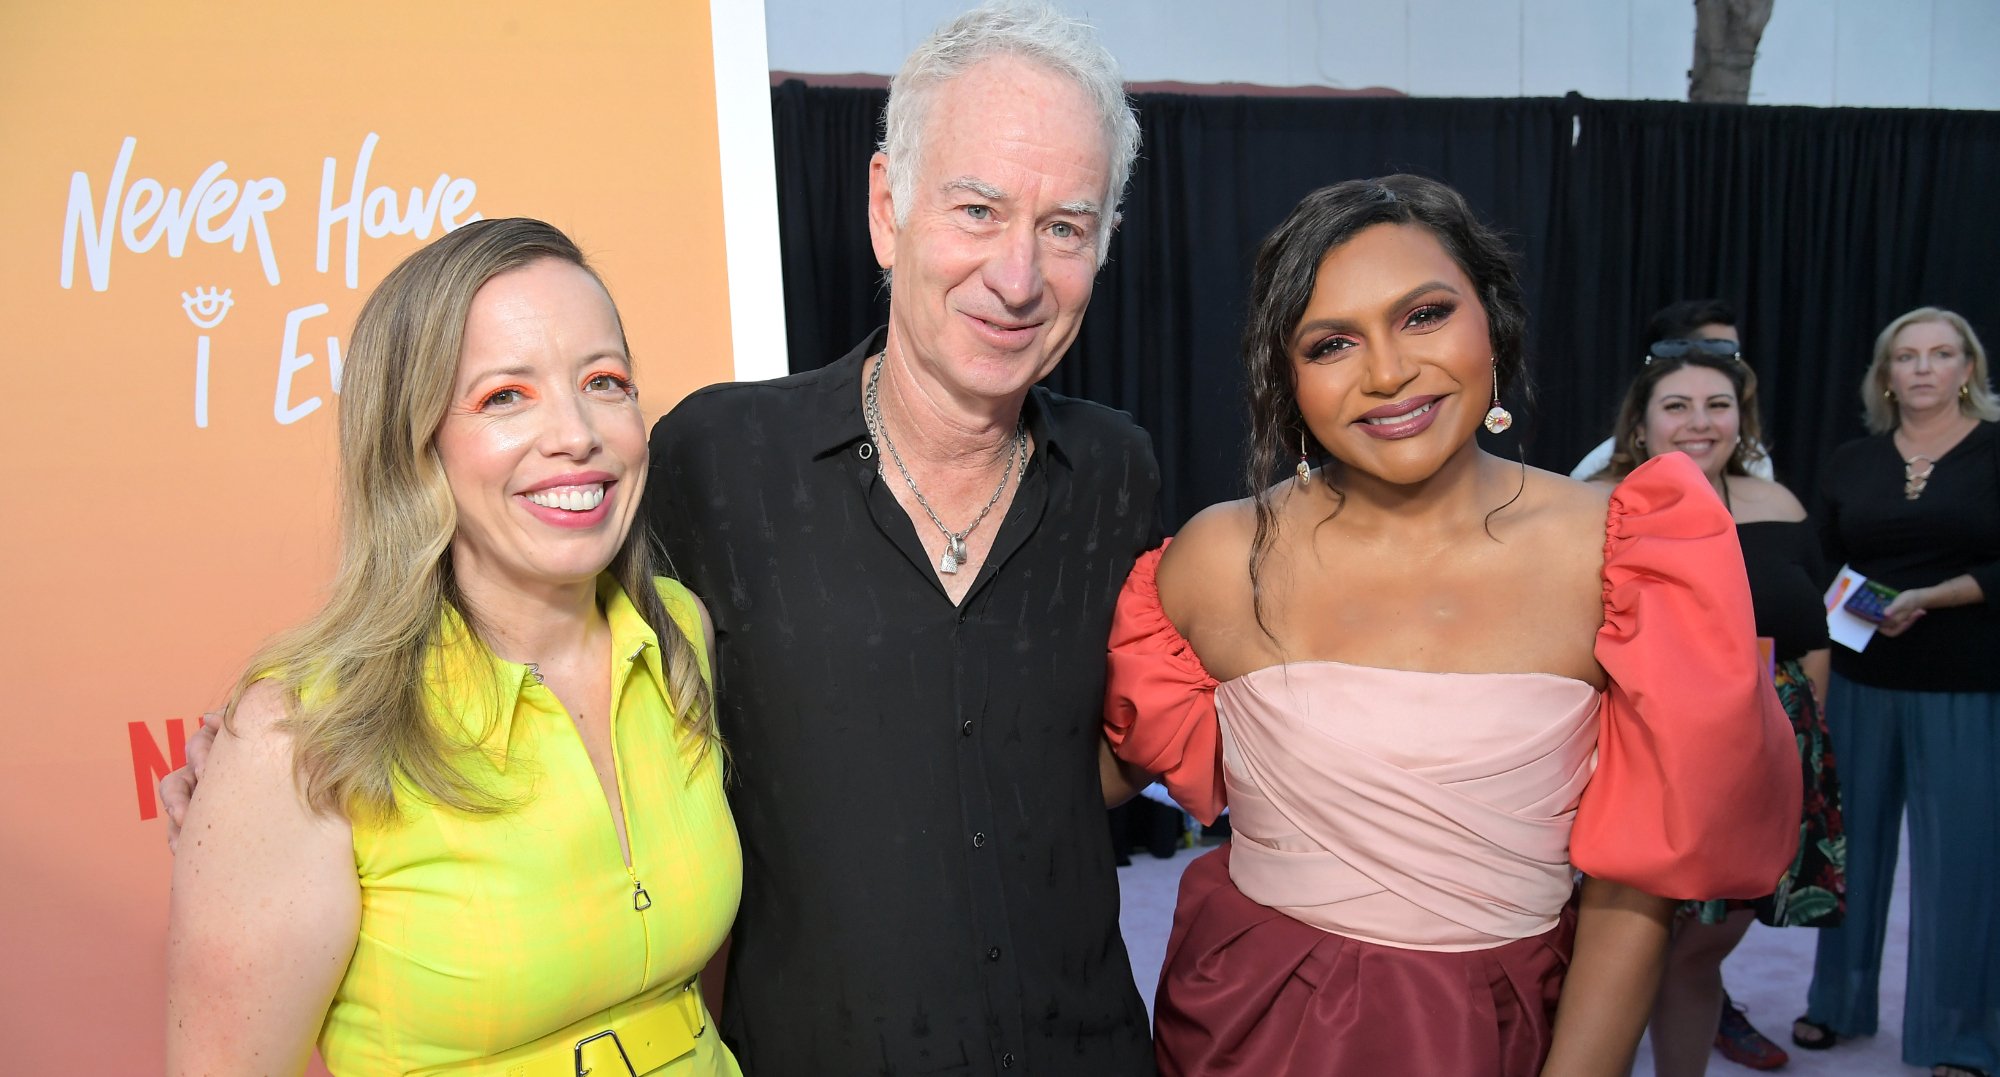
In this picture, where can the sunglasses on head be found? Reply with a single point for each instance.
(1681, 348)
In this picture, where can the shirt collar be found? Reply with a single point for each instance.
(476, 693)
(837, 423)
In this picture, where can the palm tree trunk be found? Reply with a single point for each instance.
(1726, 33)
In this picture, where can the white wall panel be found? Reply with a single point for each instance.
(1965, 54)
(1662, 48)
(1795, 64)
(1581, 45)
(1196, 40)
(1930, 53)
(1882, 55)
(1460, 49)
(834, 38)
(1355, 44)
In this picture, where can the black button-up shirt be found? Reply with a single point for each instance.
(928, 879)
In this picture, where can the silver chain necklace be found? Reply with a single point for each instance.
(954, 541)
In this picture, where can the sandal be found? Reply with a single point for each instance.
(1812, 1035)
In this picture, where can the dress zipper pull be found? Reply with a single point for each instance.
(641, 900)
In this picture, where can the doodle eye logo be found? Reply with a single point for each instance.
(206, 309)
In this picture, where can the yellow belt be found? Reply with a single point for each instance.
(630, 1039)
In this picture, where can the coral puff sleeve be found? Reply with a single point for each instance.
(1697, 791)
(1159, 703)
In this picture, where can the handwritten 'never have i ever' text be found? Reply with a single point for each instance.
(139, 213)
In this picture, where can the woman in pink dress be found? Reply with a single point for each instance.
(1433, 684)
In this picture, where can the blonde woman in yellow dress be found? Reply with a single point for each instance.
(469, 819)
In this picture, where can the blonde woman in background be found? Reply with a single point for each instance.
(469, 818)
(1915, 716)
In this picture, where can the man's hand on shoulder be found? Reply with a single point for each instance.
(177, 788)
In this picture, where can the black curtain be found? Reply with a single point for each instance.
(1819, 225)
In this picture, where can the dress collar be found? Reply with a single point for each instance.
(476, 693)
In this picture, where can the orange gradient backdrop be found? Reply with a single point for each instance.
(143, 556)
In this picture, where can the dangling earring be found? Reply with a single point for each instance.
(1965, 390)
(1889, 395)
(1498, 419)
(1305, 471)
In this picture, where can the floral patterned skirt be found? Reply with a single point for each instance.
(1813, 891)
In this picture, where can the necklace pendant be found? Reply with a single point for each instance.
(1914, 481)
(954, 554)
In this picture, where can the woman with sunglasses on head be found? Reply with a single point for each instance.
(1689, 319)
(1916, 713)
(1695, 396)
(1429, 681)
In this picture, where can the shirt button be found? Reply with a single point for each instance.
(993, 953)
(979, 840)
(965, 729)
(1007, 1061)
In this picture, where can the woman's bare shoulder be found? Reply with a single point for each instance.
(1218, 532)
(1593, 492)
(1207, 567)
(260, 717)
(1754, 500)
(1560, 502)
(255, 751)
(1559, 530)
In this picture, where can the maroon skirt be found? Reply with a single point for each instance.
(1247, 990)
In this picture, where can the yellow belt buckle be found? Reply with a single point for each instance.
(582, 1070)
(692, 1018)
(698, 1018)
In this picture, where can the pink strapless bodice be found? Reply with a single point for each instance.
(1424, 810)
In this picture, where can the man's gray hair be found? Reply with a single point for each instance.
(1036, 32)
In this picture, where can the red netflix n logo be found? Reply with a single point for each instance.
(149, 764)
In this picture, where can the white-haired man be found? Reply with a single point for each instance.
(911, 557)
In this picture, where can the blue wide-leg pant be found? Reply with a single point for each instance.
(1939, 752)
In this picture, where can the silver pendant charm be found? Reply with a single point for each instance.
(954, 554)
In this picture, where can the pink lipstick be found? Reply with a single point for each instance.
(1403, 419)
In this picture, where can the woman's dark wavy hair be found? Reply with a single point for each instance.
(1282, 285)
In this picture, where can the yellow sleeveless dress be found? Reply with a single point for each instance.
(490, 945)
